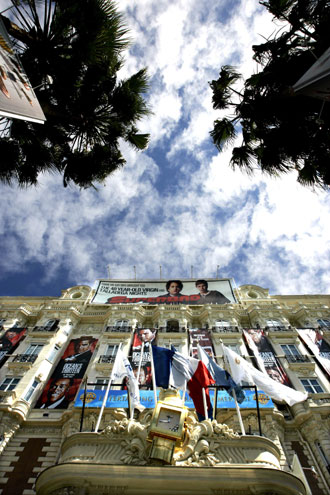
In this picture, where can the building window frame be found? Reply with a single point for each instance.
(31, 390)
(10, 383)
(312, 385)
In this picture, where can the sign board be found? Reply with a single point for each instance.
(164, 292)
(118, 398)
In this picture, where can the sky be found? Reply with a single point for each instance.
(177, 205)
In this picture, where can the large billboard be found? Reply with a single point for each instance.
(200, 337)
(66, 378)
(265, 356)
(314, 340)
(17, 98)
(199, 291)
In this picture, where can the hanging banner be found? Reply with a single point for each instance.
(148, 336)
(17, 98)
(202, 337)
(313, 339)
(66, 379)
(10, 340)
(159, 292)
(118, 398)
(265, 356)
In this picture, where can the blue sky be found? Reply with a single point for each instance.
(178, 204)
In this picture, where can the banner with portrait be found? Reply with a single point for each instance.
(317, 345)
(265, 356)
(189, 292)
(9, 341)
(66, 378)
(201, 337)
(147, 337)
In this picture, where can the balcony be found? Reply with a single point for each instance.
(213, 459)
(121, 329)
(106, 359)
(46, 330)
(226, 329)
(22, 362)
(296, 362)
(298, 359)
(281, 328)
(172, 329)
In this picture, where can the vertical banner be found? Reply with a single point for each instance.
(10, 340)
(202, 337)
(65, 381)
(265, 356)
(313, 339)
(148, 336)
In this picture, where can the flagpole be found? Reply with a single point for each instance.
(205, 404)
(234, 395)
(258, 409)
(153, 375)
(83, 407)
(105, 398)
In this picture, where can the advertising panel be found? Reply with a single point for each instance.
(202, 337)
(118, 398)
(17, 98)
(65, 381)
(313, 338)
(148, 336)
(159, 292)
(265, 356)
(10, 340)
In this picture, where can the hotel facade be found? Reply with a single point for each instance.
(56, 358)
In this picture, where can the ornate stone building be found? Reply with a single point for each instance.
(49, 450)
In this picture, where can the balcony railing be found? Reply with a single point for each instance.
(123, 329)
(298, 359)
(24, 358)
(171, 329)
(106, 359)
(281, 328)
(226, 329)
(45, 329)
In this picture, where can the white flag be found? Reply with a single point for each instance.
(241, 371)
(121, 368)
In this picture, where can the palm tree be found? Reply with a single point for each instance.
(80, 45)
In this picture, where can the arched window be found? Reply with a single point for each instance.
(122, 323)
(172, 326)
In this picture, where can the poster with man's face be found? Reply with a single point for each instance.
(10, 340)
(143, 337)
(201, 337)
(265, 356)
(65, 381)
(319, 347)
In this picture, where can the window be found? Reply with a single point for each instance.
(101, 383)
(322, 322)
(9, 384)
(222, 324)
(311, 385)
(31, 390)
(33, 349)
(273, 323)
(290, 350)
(51, 325)
(172, 326)
(235, 348)
(52, 354)
(112, 350)
(122, 323)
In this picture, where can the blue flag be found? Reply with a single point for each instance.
(222, 377)
(162, 365)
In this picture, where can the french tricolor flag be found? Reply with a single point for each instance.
(173, 368)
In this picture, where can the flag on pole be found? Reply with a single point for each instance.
(162, 358)
(122, 368)
(221, 377)
(193, 372)
(241, 371)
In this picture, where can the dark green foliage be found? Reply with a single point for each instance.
(79, 44)
(281, 130)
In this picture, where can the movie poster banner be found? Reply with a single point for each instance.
(201, 337)
(66, 379)
(17, 98)
(265, 356)
(10, 340)
(148, 336)
(313, 339)
(160, 292)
